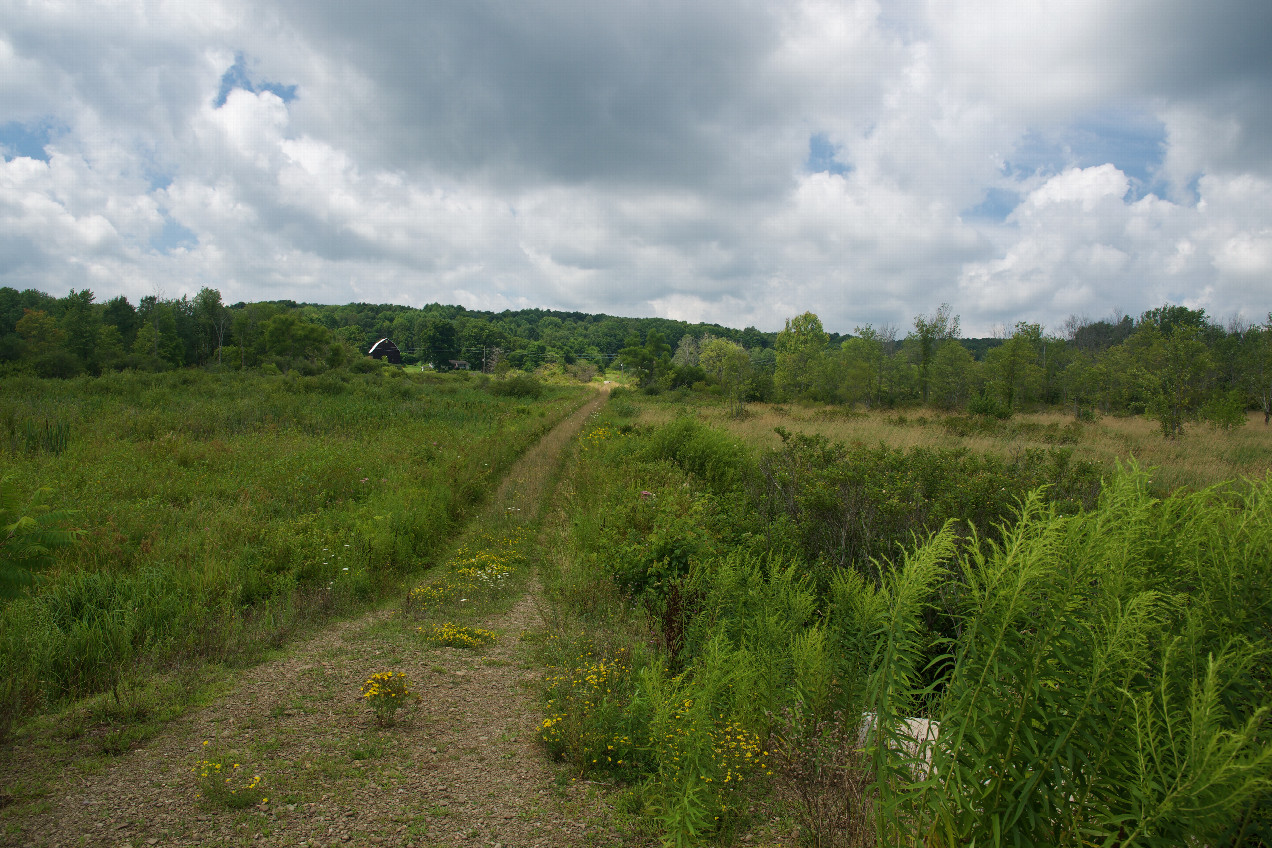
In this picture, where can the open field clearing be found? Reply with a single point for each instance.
(312, 763)
(218, 514)
(1203, 456)
(660, 632)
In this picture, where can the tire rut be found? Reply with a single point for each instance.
(462, 769)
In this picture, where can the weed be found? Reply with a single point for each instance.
(387, 692)
(224, 783)
(451, 635)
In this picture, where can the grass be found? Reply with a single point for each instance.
(734, 623)
(225, 515)
(1204, 456)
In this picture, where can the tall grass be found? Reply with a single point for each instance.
(1205, 456)
(1094, 673)
(1103, 688)
(220, 511)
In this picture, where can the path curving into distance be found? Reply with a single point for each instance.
(463, 770)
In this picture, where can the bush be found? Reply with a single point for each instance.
(517, 386)
(989, 405)
(855, 506)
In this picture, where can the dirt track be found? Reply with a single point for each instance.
(464, 769)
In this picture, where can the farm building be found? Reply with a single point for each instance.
(385, 349)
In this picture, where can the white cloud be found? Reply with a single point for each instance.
(645, 158)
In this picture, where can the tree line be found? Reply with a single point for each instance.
(77, 334)
(1172, 363)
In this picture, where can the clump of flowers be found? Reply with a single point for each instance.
(713, 753)
(598, 436)
(591, 718)
(487, 568)
(226, 783)
(387, 692)
(457, 637)
(432, 594)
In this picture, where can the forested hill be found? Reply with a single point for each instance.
(73, 334)
(1173, 363)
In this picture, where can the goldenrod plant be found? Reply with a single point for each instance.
(225, 783)
(386, 692)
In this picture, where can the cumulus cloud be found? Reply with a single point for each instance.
(730, 162)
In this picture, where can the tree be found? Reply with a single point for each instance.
(801, 347)
(930, 331)
(249, 323)
(729, 365)
(687, 350)
(1256, 360)
(40, 332)
(1013, 368)
(212, 320)
(80, 322)
(122, 315)
(437, 342)
(646, 362)
(952, 374)
(1080, 380)
(873, 349)
(167, 343)
(1181, 366)
(288, 337)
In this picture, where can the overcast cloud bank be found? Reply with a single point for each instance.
(729, 162)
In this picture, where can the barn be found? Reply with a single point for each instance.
(385, 349)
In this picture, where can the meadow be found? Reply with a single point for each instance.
(1204, 456)
(206, 517)
(870, 629)
(746, 624)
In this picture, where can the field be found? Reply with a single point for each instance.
(883, 629)
(219, 512)
(663, 624)
(1204, 456)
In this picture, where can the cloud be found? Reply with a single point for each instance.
(730, 162)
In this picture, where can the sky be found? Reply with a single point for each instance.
(731, 162)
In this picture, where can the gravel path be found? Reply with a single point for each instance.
(462, 768)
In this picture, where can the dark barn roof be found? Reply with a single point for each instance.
(385, 349)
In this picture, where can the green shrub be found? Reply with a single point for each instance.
(517, 386)
(854, 506)
(1084, 700)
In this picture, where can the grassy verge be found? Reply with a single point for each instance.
(221, 516)
(1204, 456)
(1094, 660)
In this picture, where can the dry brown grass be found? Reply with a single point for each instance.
(1204, 456)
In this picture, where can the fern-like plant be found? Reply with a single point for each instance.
(30, 531)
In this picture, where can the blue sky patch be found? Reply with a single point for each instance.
(172, 236)
(18, 139)
(821, 156)
(996, 206)
(238, 77)
(1134, 144)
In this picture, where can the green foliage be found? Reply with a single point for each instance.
(713, 456)
(1093, 660)
(855, 505)
(31, 531)
(801, 351)
(222, 511)
(989, 405)
(929, 332)
(517, 386)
